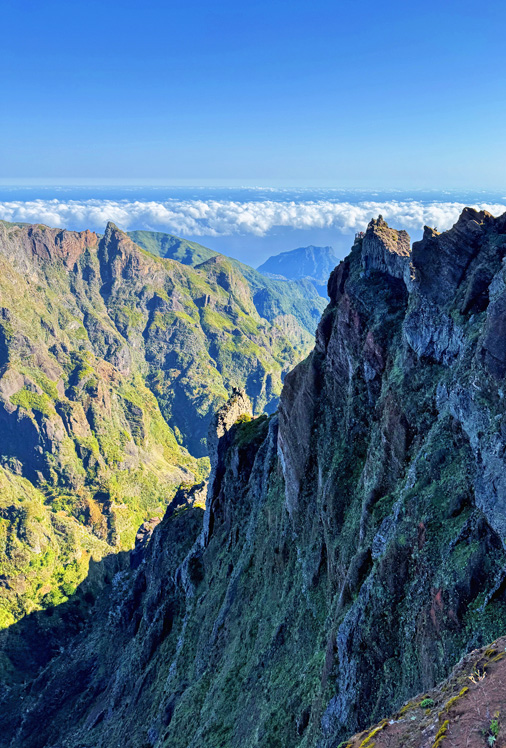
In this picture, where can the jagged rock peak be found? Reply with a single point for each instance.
(110, 228)
(429, 232)
(471, 214)
(387, 250)
(441, 260)
(236, 406)
(115, 235)
(397, 242)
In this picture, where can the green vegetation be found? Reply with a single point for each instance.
(32, 401)
(441, 734)
(172, 247)
(493, 731)
(114, 390)
(44, 552)
(355, 549)
(271, 298)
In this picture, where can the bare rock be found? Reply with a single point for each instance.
(387, 250)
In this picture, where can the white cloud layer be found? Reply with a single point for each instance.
(227, 217)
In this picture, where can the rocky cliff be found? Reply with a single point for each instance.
(352, 548)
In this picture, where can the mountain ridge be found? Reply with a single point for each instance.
(353, 545)
(298, 296)
(171, 247)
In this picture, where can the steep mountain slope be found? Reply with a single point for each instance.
(313, 263)
(172, 247)
(271, 297)
(112, 362)
(352, 546)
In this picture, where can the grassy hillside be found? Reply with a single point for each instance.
(172, 247)
(271, 297)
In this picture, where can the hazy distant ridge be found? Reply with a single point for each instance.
(313, 263)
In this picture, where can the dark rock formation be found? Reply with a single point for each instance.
(237, 407)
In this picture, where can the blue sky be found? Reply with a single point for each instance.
(342, 94)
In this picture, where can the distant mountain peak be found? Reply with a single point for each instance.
(311, 262)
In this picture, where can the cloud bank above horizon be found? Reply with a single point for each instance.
(228, 217)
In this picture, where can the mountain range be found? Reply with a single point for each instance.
(270, 296)
(341, 580)
(112, 362)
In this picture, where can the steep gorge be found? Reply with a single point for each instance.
(352, 547)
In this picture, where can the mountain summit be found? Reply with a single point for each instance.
(313, 263)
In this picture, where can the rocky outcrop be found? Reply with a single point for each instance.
(387, 251)
(443, 260)
(454, 272)
(142, 539)
(23, 244)
(238, 406)
(357, 548)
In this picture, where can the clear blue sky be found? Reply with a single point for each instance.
(344, 94)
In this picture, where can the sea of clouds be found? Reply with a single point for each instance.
(228, 217)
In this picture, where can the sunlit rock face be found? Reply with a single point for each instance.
(354, 548)
(387, 251)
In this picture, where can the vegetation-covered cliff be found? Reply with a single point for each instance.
(352, 547)
(297, 294)
(112, 362)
